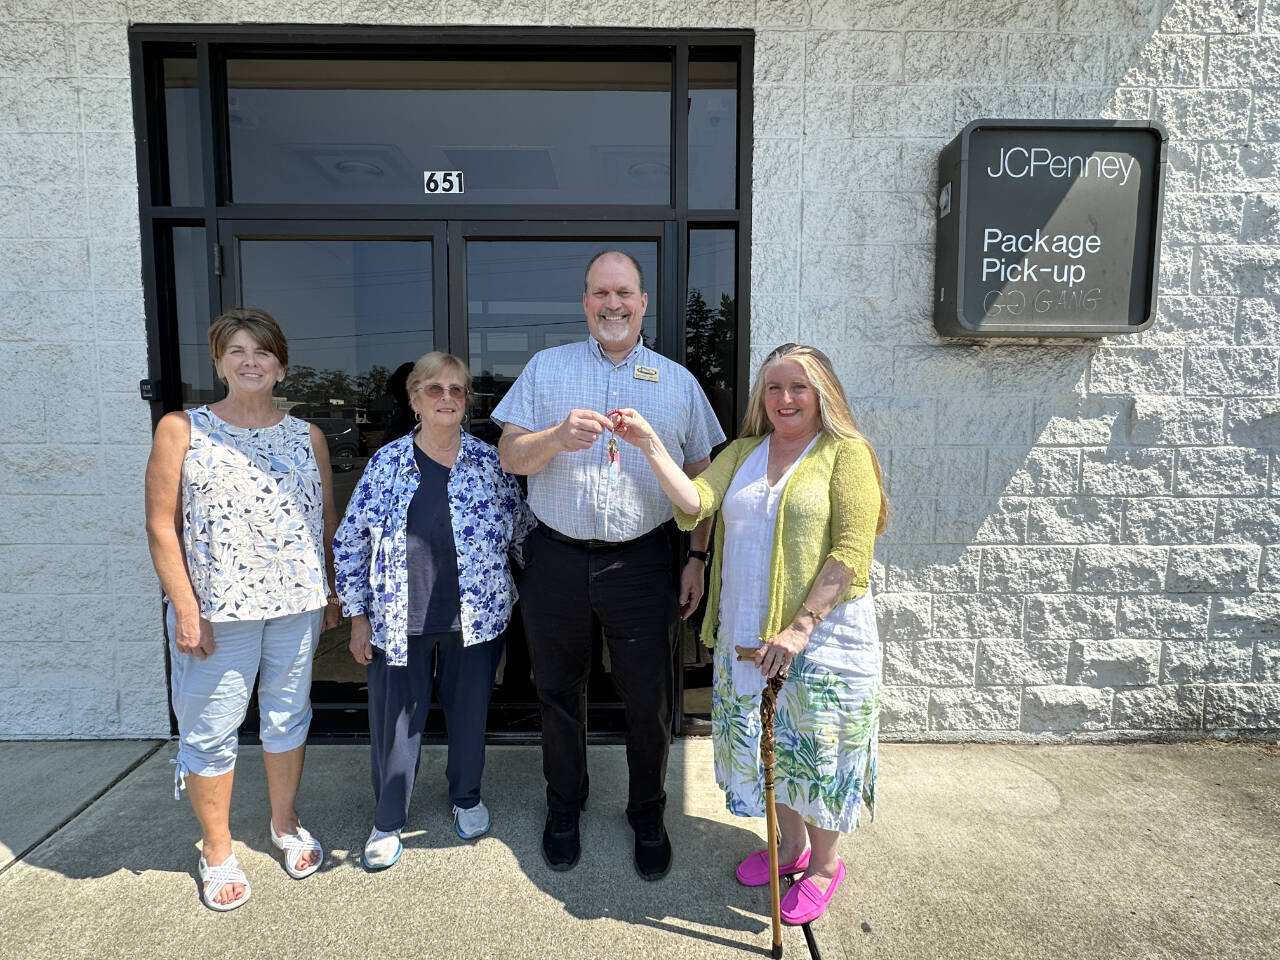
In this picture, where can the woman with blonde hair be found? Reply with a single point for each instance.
(423, 573)
(800, 504)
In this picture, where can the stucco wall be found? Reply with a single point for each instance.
(1084, 538)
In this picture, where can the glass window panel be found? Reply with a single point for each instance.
(526, 295)
(710, 319)
(182, 133)
(363, 131)
(713, 135)
(191, 311)
(353, 310)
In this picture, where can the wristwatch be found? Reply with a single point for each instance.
(703, 555)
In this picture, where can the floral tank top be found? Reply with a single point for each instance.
(253, 519)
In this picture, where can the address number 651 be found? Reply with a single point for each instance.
(442, 181)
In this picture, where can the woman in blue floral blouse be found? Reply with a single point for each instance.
(422, 562)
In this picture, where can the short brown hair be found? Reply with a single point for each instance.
(429, 366)
(258, 324)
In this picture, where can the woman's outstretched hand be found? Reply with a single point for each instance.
(631, 426)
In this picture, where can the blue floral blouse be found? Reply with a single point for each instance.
(490, 518)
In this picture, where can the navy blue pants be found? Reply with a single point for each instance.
(399, 700)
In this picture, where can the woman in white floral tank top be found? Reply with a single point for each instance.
(239, 512)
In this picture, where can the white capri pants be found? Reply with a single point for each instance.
(211, 696)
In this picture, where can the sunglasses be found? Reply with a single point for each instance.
(436, 390)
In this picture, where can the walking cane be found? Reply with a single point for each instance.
(768, 704)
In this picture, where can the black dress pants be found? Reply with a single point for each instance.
(629, 588)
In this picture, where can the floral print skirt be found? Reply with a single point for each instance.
(826, 729)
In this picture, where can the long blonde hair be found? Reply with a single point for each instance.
(833, 407)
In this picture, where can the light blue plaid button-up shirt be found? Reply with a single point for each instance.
(578, 493)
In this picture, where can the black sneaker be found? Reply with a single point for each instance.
(561, 845)
(653, 850)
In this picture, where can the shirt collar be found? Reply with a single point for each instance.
(596, 350)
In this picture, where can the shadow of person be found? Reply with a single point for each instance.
(131, 857)
(699, 896)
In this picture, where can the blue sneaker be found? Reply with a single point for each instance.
(471, 823)
(382, 849)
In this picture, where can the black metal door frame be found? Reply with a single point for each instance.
(451, 333)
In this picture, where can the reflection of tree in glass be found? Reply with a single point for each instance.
(708, 340)
(308, 385)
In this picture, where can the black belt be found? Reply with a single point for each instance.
(556, 535)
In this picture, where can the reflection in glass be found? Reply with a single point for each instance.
(353, 312)
(191, 311)
(710, 319)
(520, 131)
(182, 132)
(526, 295)
(713, 135)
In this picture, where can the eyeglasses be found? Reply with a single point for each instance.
(437, 390)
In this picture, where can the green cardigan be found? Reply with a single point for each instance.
(829, 508)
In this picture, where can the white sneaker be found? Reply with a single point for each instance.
(471, 823)
(382, 849)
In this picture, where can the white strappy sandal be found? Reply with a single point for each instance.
(213, 879)
(294, 846)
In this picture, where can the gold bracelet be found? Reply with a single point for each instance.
(813, 616)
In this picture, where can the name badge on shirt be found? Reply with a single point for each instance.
(646, 373)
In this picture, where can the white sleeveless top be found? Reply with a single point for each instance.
(846, 639)
(253, 519)
(750, 513)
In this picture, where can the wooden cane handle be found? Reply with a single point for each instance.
(748, 654)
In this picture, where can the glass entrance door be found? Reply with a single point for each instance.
(358, 301)
(518, 289)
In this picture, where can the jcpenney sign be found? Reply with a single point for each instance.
(1048, 228)
(1018, 162)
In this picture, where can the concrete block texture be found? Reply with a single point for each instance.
(982, 708)
(1159, 708)
(1009, 662)
(1114, 663)
(1206, 661)
(1053, 708)
(1084, 535)
(1241, 706)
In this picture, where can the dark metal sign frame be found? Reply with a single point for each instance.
(1040, 288)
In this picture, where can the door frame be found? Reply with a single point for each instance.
(450, 313)
(208, 46)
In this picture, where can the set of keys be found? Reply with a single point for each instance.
(612, 453)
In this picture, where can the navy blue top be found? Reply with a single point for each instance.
(432, 560)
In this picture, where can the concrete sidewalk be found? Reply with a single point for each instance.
(979, 851)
